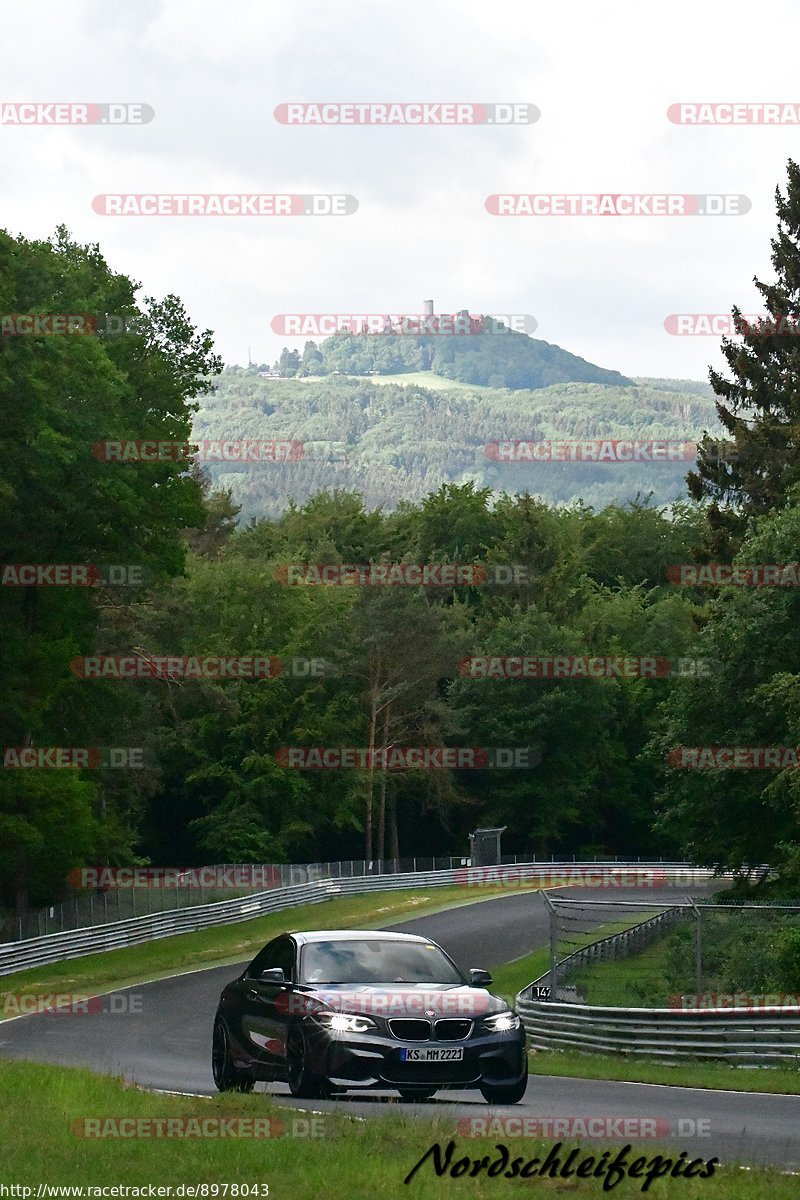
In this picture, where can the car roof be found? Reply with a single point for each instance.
(353, 935)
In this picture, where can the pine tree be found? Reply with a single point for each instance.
(753, 471)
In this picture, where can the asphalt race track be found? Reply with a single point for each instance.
(166, 1045)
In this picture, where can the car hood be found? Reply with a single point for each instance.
(398, 1000)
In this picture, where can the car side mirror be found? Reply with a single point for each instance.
(479, 978)
(273, 975)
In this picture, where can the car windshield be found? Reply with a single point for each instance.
(379, 961)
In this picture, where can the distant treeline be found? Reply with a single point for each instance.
(393, 443)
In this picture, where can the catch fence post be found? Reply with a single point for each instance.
(698, 947)
(553, 946)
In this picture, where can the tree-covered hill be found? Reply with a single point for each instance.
(494, 356)
(394, 442)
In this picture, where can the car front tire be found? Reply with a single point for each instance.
(303, 1082)
(227, 1076)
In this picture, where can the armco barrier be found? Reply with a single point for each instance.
(74, 943)
(175, 889)
(118, 902)
(758, 1037)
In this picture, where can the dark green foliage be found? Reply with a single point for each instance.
(393, 443)
(59, 503)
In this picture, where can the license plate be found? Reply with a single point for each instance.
(431, 1054)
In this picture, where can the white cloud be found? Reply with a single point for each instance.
(602, 75)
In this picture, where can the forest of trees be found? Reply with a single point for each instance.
(597, 582)
(393, 442)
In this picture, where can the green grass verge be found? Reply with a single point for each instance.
(512, 977)
(228, 944)
(645, 979)
(682, 1073)
(636, 982)
(345, 1158)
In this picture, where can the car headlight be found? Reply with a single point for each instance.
(345, 1023)
(502, 1022)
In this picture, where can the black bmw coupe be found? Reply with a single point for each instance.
(334, 1010)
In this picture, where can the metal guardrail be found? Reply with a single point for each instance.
(117, 903)
(748, 1036)
(55, 947)
(757, 1037)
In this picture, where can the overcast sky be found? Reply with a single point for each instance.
(603, 76)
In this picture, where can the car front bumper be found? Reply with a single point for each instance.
(373, 1060)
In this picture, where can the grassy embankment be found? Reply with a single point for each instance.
(44, 1109)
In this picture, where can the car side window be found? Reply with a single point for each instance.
(277, 953)
(284, 957)
(264, 959)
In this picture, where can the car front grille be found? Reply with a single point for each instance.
(412, 1029)
(452, 1029)
(415, 1029)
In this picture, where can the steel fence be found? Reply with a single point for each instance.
(757, 1037)
(690, 955)
(54, 947)
(108, 904)
(746, 1027)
